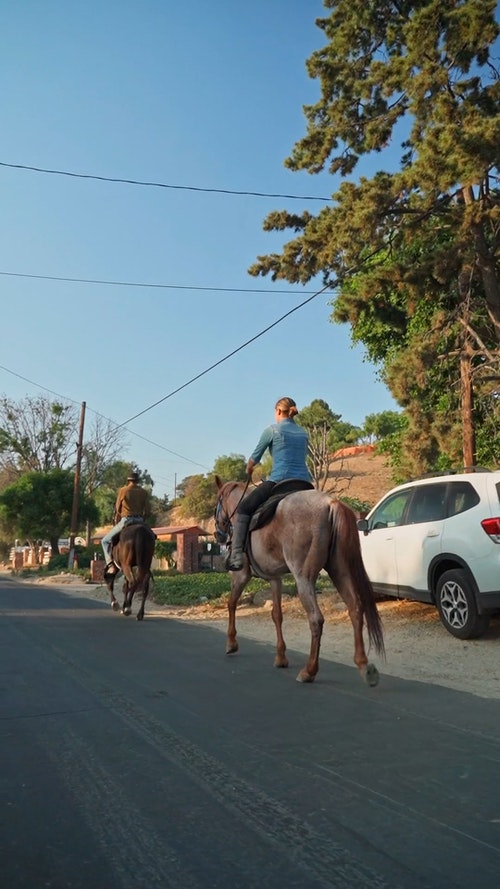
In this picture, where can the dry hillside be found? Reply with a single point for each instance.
(364, 477)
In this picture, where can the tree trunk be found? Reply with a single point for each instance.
(486, 264)
(468, 432)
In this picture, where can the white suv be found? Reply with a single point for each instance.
(437, 540)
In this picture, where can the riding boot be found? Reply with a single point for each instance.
(235, 561)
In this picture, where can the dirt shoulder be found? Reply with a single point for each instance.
(417, 645)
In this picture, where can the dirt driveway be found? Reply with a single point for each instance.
(418, 647)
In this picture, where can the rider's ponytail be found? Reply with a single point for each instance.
(287, 407)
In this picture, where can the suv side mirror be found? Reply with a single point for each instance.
(363, 525)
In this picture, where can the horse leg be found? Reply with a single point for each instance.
(281, 659)
(307, 595)
(144, 586)
(110, 584)
(343, 584)
(128, 591)
(239, 580)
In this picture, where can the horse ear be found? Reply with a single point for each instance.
(218, 482)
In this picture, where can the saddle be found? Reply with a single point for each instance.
(264, 513)
(116, 537)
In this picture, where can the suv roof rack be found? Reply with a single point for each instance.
(462, 471)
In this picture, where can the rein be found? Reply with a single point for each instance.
(220, 507)
(229, 517)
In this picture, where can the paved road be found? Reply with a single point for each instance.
(139, 755)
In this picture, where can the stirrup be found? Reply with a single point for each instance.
(111, 568)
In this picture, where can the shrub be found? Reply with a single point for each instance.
(191, 589)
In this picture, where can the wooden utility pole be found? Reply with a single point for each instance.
(468, 431)
(76, 490)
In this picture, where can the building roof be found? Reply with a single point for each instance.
(164, 531)
(178, 529)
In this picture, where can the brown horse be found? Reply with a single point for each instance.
(309, 531)
(133, 549)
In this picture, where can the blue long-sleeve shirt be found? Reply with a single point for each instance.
(287, 443)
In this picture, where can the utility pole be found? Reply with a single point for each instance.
(466, 384)
(468, 431)
(76, 490)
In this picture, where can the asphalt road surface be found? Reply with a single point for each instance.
(140, 755)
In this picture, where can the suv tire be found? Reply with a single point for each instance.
(457, 608)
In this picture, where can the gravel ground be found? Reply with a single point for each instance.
(417, 645)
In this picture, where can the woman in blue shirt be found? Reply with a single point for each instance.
(287, 443)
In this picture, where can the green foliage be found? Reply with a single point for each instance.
(58, 563)
(200, 494)
(378, 426)
(164, 549)
(231, 468)
(423, 239)
(39, 506)
(191, 589)
(358, 506)
(36, 434)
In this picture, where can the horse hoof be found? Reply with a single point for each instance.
(115, 606)
(281, 662)
(140, 616)
(232, 649)
(372, 675)
(126, 611)
(304, 677)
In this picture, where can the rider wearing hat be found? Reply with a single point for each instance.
(132, 505)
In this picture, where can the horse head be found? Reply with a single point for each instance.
(229, 498)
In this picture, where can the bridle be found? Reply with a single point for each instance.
(223, 523)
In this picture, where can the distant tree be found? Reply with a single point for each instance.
(199, 496)
(38, 506)
(326, 434)
(101, 448)
(37, 434)
(377, 426)
(231, 468)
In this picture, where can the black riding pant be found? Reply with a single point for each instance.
(253, 500)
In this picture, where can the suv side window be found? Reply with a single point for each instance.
(462, 496)
(390, 512)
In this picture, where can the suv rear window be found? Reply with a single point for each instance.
(461, 496)
(428, 504)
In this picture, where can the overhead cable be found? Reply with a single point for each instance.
(97, 414)
(255, 194)
(230, 355)
(148, 284)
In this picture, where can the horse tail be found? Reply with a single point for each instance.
(346, 535)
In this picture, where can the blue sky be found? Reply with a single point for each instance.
(198, 94)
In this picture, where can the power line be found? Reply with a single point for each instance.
(256, 194)
(230, 355)
(97, 414)
(147, 284)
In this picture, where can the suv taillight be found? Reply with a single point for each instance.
(492, 528)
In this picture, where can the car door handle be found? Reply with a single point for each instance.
(433, 533)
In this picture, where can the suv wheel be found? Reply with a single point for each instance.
(456, 604)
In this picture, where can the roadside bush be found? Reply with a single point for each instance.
(191, 589)
(58, 563)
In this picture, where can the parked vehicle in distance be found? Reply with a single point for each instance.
(437, 540)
